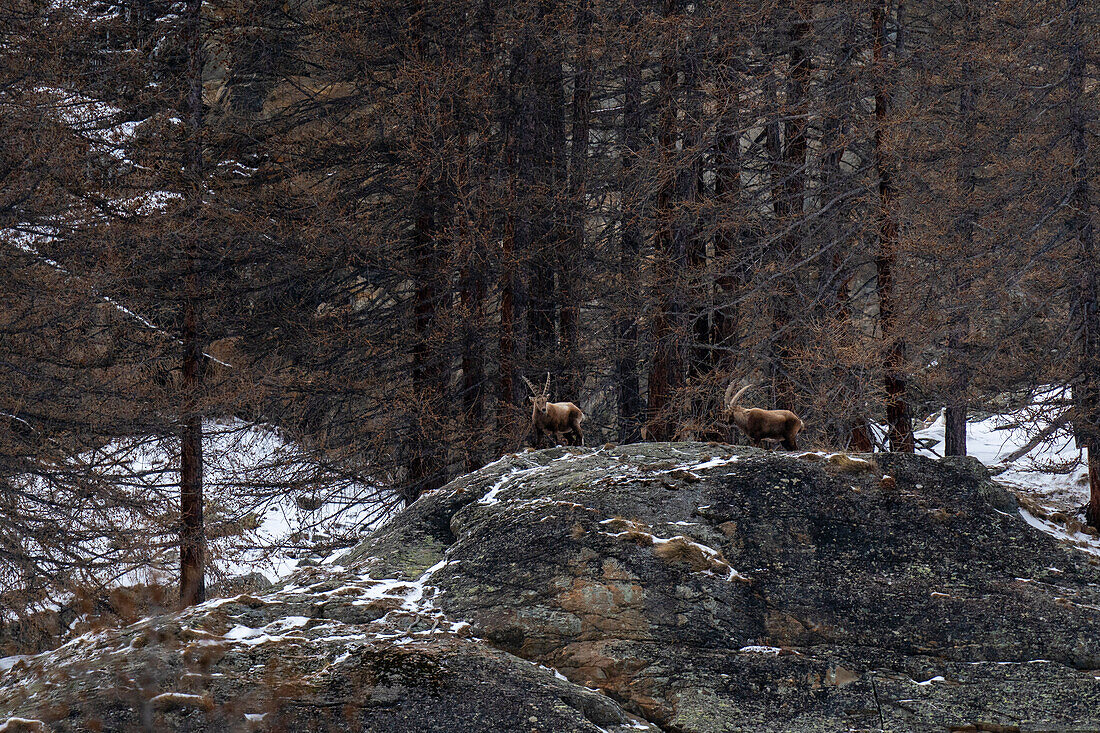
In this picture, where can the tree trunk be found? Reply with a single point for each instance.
(473, 285)
(630, 405)
(472, 299)
(515, 243)
(899, 423)
(541, 168)
(572, 370)
(847, 427)
(666, 374)
(729, 278)
(957, 405)
(192, 533)
(512, 335)
(1087, 296)
(697, 291)
(727, 194)
(955, 412)
(424, 469)
(789, 171)
(427, 447)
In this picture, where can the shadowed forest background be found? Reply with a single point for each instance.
(361, 224)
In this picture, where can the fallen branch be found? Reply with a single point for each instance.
(1040, 437)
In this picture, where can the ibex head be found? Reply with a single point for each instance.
(539, 399)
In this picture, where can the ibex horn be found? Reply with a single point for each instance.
(731, 402)
(729, 393)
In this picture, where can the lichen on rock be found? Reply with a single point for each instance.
(693, 587)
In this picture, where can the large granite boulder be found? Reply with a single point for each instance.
(681, 587)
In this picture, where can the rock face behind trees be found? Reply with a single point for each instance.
(699, 587)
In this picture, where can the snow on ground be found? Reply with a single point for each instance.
(1069, 535)
(760, 650)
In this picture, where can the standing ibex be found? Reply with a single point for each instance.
(553, 417)
(761, 425)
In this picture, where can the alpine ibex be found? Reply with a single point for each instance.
(554, 418)
(761, 425)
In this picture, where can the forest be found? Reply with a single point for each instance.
(363, 226)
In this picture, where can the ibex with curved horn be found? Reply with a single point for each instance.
(554, 418)
(761, 425)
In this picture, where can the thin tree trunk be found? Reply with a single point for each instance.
(695, 285)
(626, 326)
(515, 243)
(473, 363)
(729, 279)
(667, 370)
(473, 289)
(192, 533)
(427, 447)
(957, 405)
(513, 334)
(1087, 306)
(572, 377)
(788, 193)
(727, 194)
(424, 471)
(899, 423)
(511, 300)
(846, 427)
(541, 162)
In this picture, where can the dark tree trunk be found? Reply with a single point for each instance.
(666, 374)
(727, 195)
(956, 409)
(425, 471)
(431, 209)
(473, 371)
(515, 241)
(899, 423)
(512, 335)
(729, 268)
(472, 299)
(540, 163)
(848, 428)
(192, 533)
(698, 288)
(573, 251)
(957, 352)
(473, 284)
(691, 188)
(1087, 296)
(788, 192)
(626, 327)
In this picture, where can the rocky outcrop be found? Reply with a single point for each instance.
(685, 587)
